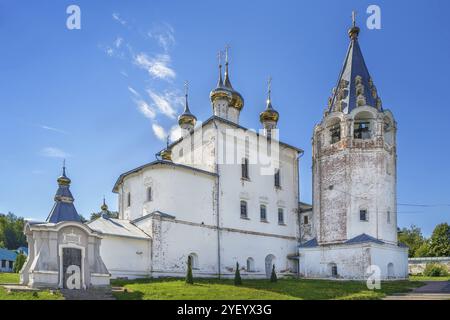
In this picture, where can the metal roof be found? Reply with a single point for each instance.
(8, 255)
(117, 227)
(345, 91)
(362, 238)
(162, 162)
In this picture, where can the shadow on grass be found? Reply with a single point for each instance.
(173, 288)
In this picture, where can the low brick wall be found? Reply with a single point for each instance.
(417, 265)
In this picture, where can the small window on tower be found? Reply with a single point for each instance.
(363, 215)
(362, 130)
(305, 219)
(388, 217)
(180, 153)
(335, 133)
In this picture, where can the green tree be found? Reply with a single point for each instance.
(412, 237)
(440, 241)
(273, 275)
(423, 250)
(18, 264)
(237, 276)
(189, 276)
(111, 214)
(11, 231)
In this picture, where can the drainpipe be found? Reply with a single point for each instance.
(217, 201)
(298, 210)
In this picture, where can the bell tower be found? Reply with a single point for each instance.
(354, 159)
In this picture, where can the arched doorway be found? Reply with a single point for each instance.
(270, 262)
(390, 270)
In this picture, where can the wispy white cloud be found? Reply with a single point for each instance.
(145, 109)
(134, 92)
(118, 42)
(53, 152)
(164, 35)
(159, 132)
(52, 129)
(157, 66)
(166, 102)
(175, 133)
(117, 18)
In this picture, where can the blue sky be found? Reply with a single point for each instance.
(100, 96)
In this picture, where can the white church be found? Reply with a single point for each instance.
(223, 194)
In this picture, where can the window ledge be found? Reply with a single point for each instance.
(282, 224)
(264, 221)
(245, 218)
(245, 179)
(278, 188)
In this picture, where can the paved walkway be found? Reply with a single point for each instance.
(433, 290)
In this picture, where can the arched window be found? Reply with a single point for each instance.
(149, 194)
(244, 168)
(250, 265)
(244, 209)
(194, 260)
(277, 178)
(263, 212)
(280, 216)
(362, 125)
(129, 199)
(335, 131)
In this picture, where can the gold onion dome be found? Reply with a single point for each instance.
(166, 154)
(224, 89)
(63, 180)
(270, 114)
(104, 206)
(186, 117)
(353, 32)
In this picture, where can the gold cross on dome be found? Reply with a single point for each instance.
(186, 87)
(354, 18)
(227, 47)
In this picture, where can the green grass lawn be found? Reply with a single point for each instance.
(284, 289)
(8, 278)
(425, 278)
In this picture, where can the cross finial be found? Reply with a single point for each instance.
(354, 18)
(269, 85)
(186, 87)
(167, 141)
(227, 47)
(64, 166)
(219, 57)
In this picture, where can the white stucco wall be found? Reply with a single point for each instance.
(126, 257)
(352, 261)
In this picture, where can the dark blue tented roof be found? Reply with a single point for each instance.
(63, 209)
(344, 98)
(363, 238)
(64, 191)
